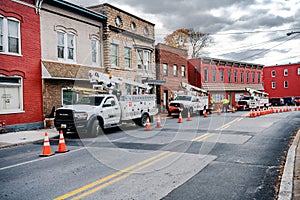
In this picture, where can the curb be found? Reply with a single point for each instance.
(286, 185)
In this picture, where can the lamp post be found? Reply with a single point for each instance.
(291, 33)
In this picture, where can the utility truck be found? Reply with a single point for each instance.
(102, 107)
(254, 100)
(195, 100)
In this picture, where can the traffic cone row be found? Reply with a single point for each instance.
(258, 112)
(62, 148)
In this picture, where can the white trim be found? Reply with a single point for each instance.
(23, 3)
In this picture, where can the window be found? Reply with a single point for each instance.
(286, 72)
(114, 55)
(235, 76)
(175, 70)
(242, 77)
(10, 35)
(65, 46)
(253, 77)
(133, 26)
(214, 73)
(273, 73)
(221, 75)
(258, 77)
(247, 77)
(229, 76)
(143, 59)
(273, 84)
(127, 57)
(95, 51)
(182, 71)
(165, 69)
(286, 84)
(11, 93)
(298, 71)
(146, 31)
(205, 75)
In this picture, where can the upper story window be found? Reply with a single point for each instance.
(175, 70)
(221, 75)
(214, 75)
(258, 77)
(10, 41)
(247, 77)
(165, 69)
(133, 26)
(114, 55)
(286, 72)
(205, 75)
(118, 21)
(146, 31)
(11, 92)
(127, 57)
(273, 73)
(273, 84)
(242, 77)
(95, 51)
(229, 76)
(65, 46)
(143, 59)
(253, 77)
(235, 76)
(298, 71)
(182, 71)
(286, 84)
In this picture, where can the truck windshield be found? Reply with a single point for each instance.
(93, 101)
(184, 98)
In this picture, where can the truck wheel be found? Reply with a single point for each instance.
(184, 112)
(95, 129)
(143, 120)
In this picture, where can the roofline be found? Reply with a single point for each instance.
(224, 60)
(116, 8)
(80, 9)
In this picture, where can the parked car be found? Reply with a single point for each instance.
(297, 101)
(276, 101)
(289, 101)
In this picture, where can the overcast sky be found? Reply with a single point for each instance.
(243, 30)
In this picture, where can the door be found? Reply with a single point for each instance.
(111, 111)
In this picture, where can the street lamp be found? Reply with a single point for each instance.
(291, 33)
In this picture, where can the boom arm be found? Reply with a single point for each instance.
(191, 88)
(253, 92)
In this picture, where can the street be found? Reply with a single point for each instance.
(227, 156)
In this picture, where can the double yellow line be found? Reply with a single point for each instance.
(108, 180)
(227, 125)
(201, 137)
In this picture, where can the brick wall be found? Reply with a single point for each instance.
(27, 64)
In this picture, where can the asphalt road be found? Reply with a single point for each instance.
(219, 157)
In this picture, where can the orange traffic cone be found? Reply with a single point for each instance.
(295, 108)
(180, 118)
(46, 149)
(62, 148)
(204, 113)
(251, 114)
(148, 125)
(189, 117)
(219, 111)
(158, 123)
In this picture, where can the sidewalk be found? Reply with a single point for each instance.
(289, 187)
(24, 137)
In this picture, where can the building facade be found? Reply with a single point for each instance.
(128, 46)
(171, 70)
(72, 44)
(224, 78)
(20, 67)
(282, 80)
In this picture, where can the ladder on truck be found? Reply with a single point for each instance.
(108, 82)
(253, 92)
(192, 89)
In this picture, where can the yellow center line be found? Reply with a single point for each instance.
(102, 180)
(201, 137)
(122, 177)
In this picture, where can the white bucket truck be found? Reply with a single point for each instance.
(101, 109)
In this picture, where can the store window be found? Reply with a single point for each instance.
(11, 94)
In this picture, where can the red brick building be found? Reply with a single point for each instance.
(282, 80)
(20, 67)
(224, 78)
(171, 69)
